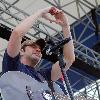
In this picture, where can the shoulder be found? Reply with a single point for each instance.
(9, 63)
(7, 56)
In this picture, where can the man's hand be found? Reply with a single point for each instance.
(59, 16)
(61, 19)
(44, 11)
(44, 14)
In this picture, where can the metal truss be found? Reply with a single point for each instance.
(41, 29)
(87, 55)
(82, 52)
(91, 90)
(79, 6)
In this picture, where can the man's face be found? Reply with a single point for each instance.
(33, 52)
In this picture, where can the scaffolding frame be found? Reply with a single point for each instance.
(41, 29)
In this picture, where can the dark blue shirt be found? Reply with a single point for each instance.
(14, 64)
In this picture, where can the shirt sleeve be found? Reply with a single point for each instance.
(9, 63)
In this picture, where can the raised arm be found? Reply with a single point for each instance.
(68, 49)
(14, 44)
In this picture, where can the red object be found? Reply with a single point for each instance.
(53, 11)
(62, 78)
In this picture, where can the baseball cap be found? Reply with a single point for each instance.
(40, 42)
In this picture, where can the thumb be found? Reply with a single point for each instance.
(48, 18)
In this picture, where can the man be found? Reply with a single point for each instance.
(25, 57)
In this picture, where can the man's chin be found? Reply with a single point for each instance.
(36, 58)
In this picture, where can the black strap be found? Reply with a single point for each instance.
(50, 85)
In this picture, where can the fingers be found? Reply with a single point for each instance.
(48, 18)
(54, 11)
(58, 14)
(46, 10)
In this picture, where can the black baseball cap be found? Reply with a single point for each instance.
(40, 42)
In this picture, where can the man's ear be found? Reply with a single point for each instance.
(41, 55)
(22, 52)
